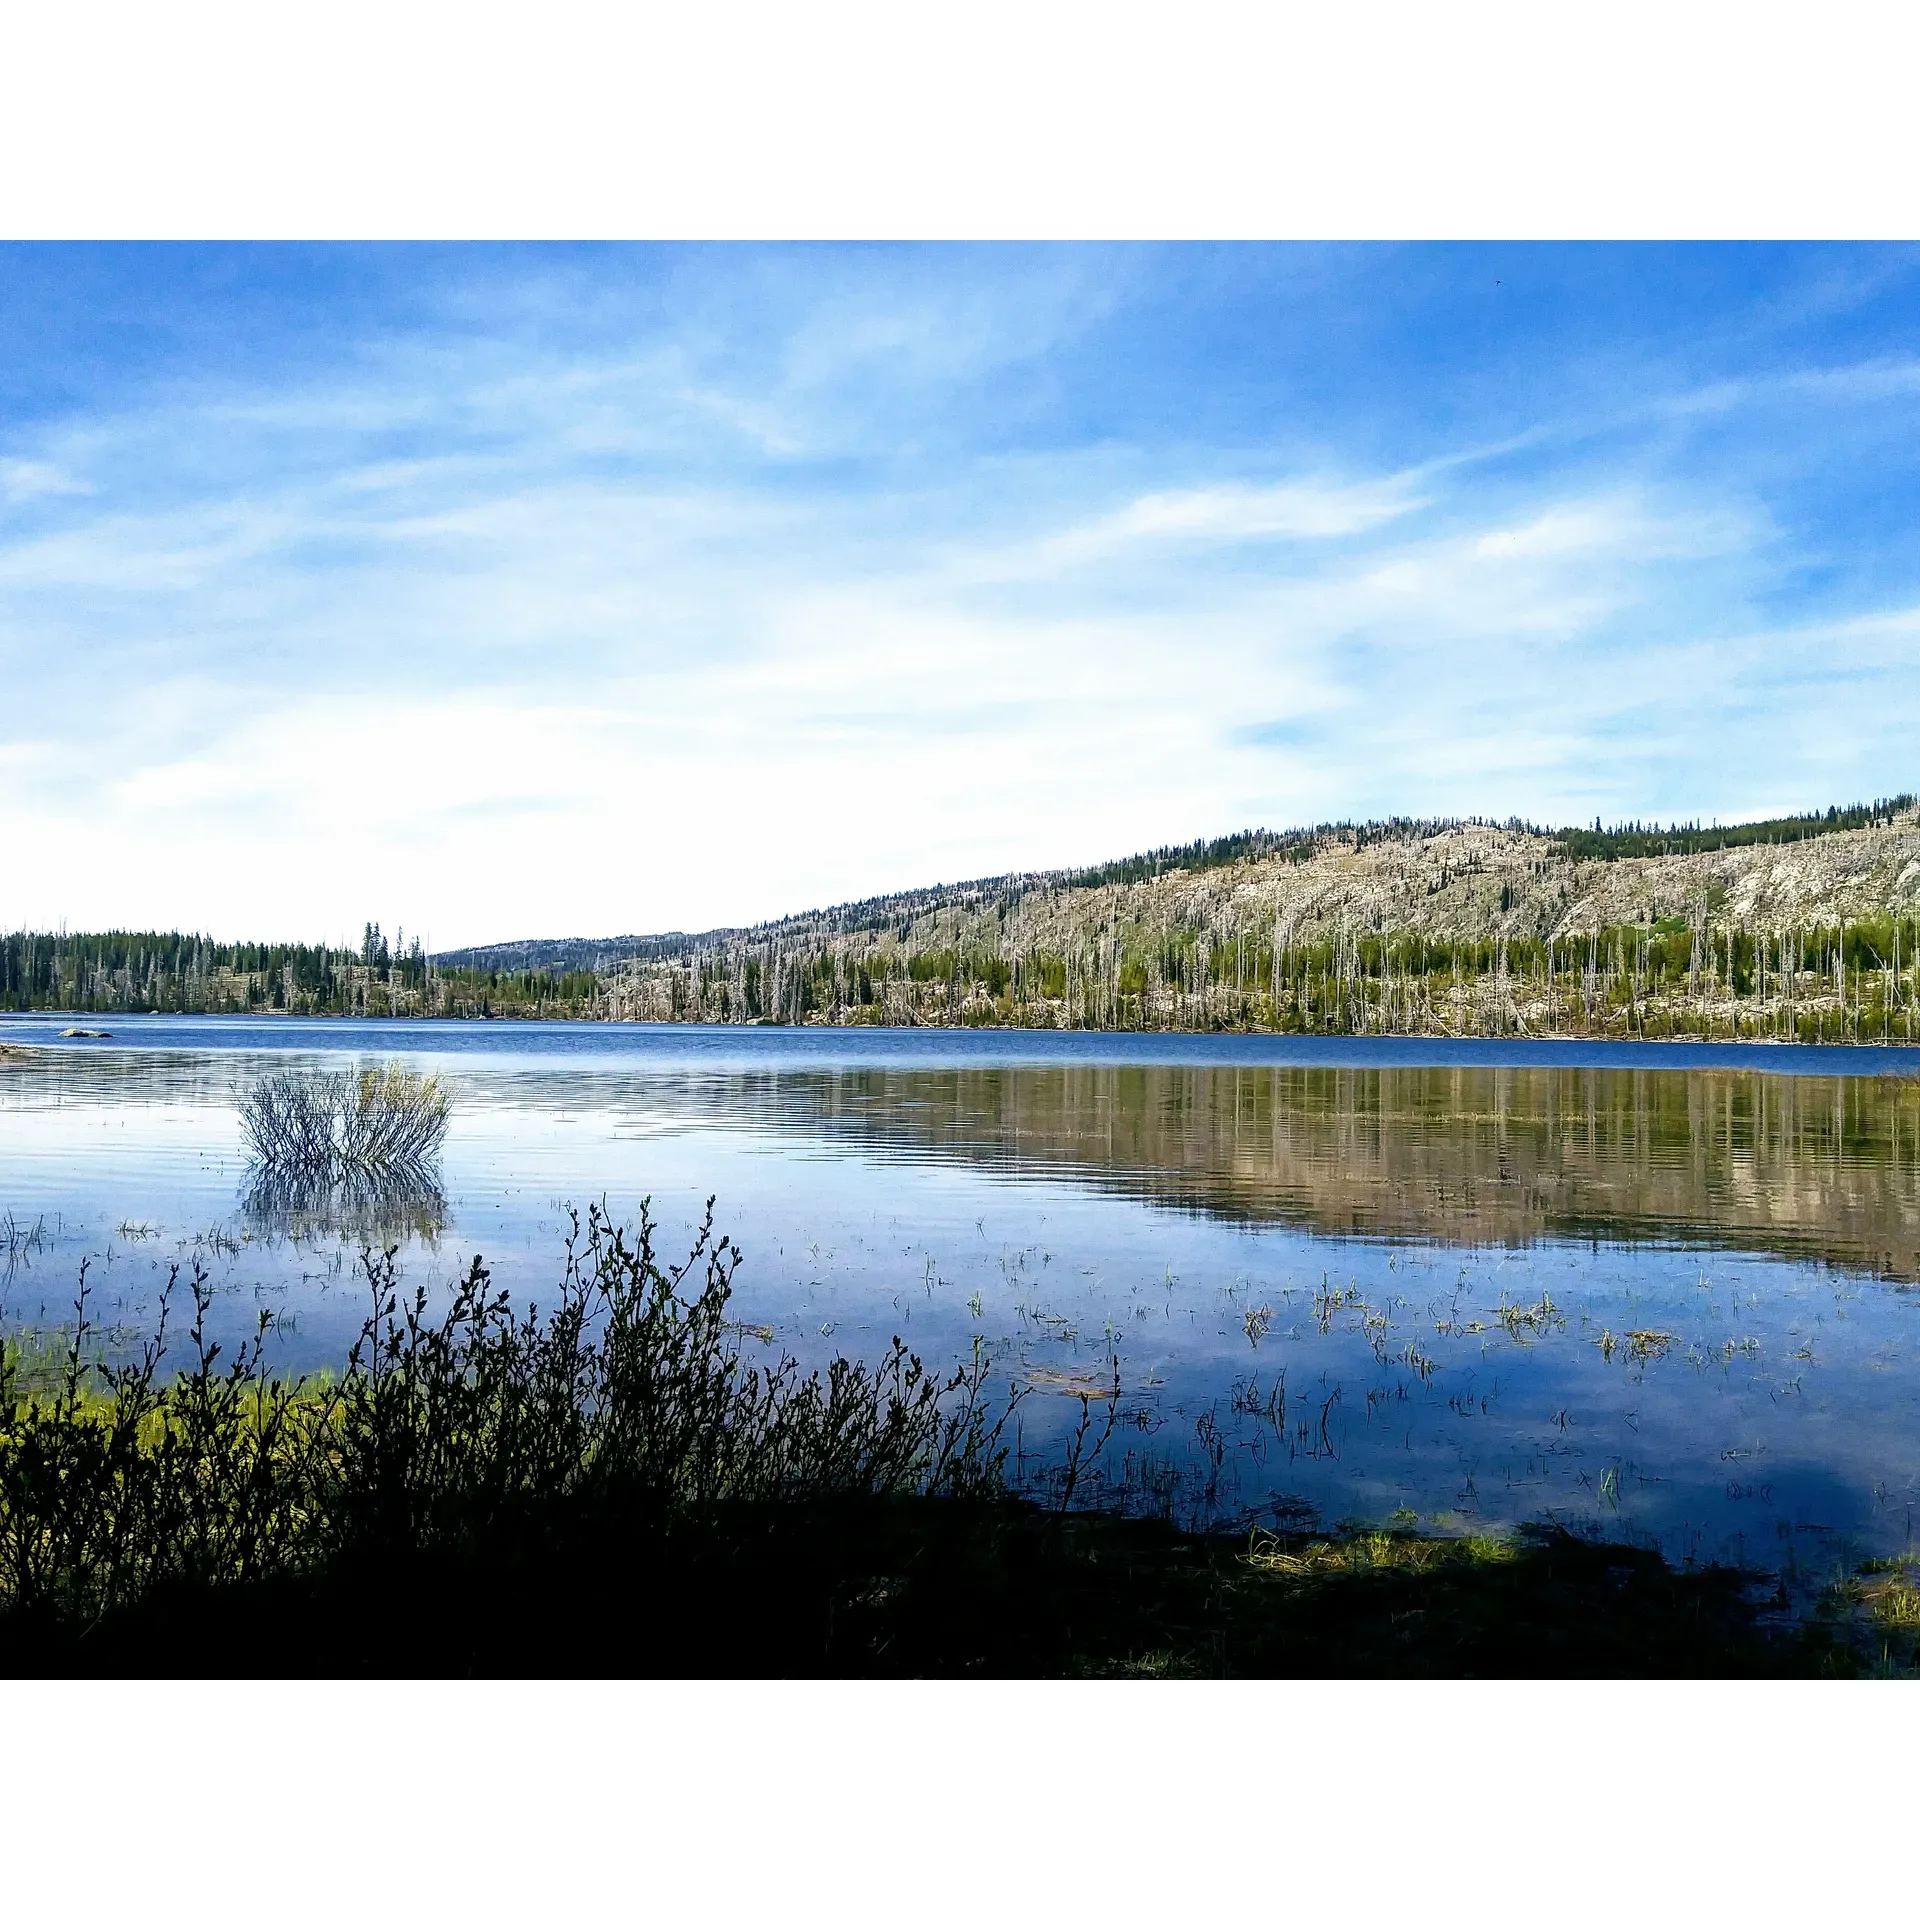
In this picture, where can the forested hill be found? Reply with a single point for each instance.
(1801, 925)
(1396, 875)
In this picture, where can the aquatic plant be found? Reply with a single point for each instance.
(379, 1121)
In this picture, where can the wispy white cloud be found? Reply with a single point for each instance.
(675, 631)
(1301, 510)
(22, 480)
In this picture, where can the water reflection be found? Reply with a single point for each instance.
(1651, 1302)
(1825, 1169)
(366, 1209)
(1803, 1166)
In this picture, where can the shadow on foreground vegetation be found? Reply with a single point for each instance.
(608, 1488)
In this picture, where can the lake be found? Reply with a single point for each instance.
(1669, 1294)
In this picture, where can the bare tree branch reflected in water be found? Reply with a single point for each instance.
(368, 1209)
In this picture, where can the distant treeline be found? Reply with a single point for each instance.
(1629, 841)
(1253, 931)
(1298, 844)
(1635, 841)
(128, 972)
(1198, 856)
(1673, 978)
(1839, 982)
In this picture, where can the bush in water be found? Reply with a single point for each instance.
(379, 1120)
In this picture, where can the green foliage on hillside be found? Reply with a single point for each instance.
(1635, 841)
(1671, 978)
(1260, 843)
(129, 972)
(1195, 856)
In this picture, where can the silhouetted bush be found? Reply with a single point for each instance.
(484, 1432)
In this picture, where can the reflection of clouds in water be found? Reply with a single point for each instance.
(361, 1206)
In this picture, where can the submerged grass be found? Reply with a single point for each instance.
(609, 1486)
(1880, 1602)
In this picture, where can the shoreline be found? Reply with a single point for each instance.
(41, 1016)
(988, 1046)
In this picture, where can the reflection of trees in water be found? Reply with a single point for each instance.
(1825, 1168)
(362, 1206)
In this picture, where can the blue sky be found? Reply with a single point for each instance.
(499, 591)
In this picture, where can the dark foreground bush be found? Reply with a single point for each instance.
(622, 1426)
(608, 1488)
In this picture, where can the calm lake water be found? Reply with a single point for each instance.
(1669, 1294)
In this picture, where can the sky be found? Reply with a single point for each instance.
(495, 592)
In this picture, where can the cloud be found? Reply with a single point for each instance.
(1293, 511)
(1560, 531)
(1158, 527)
(799, 590)
(22, 480)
